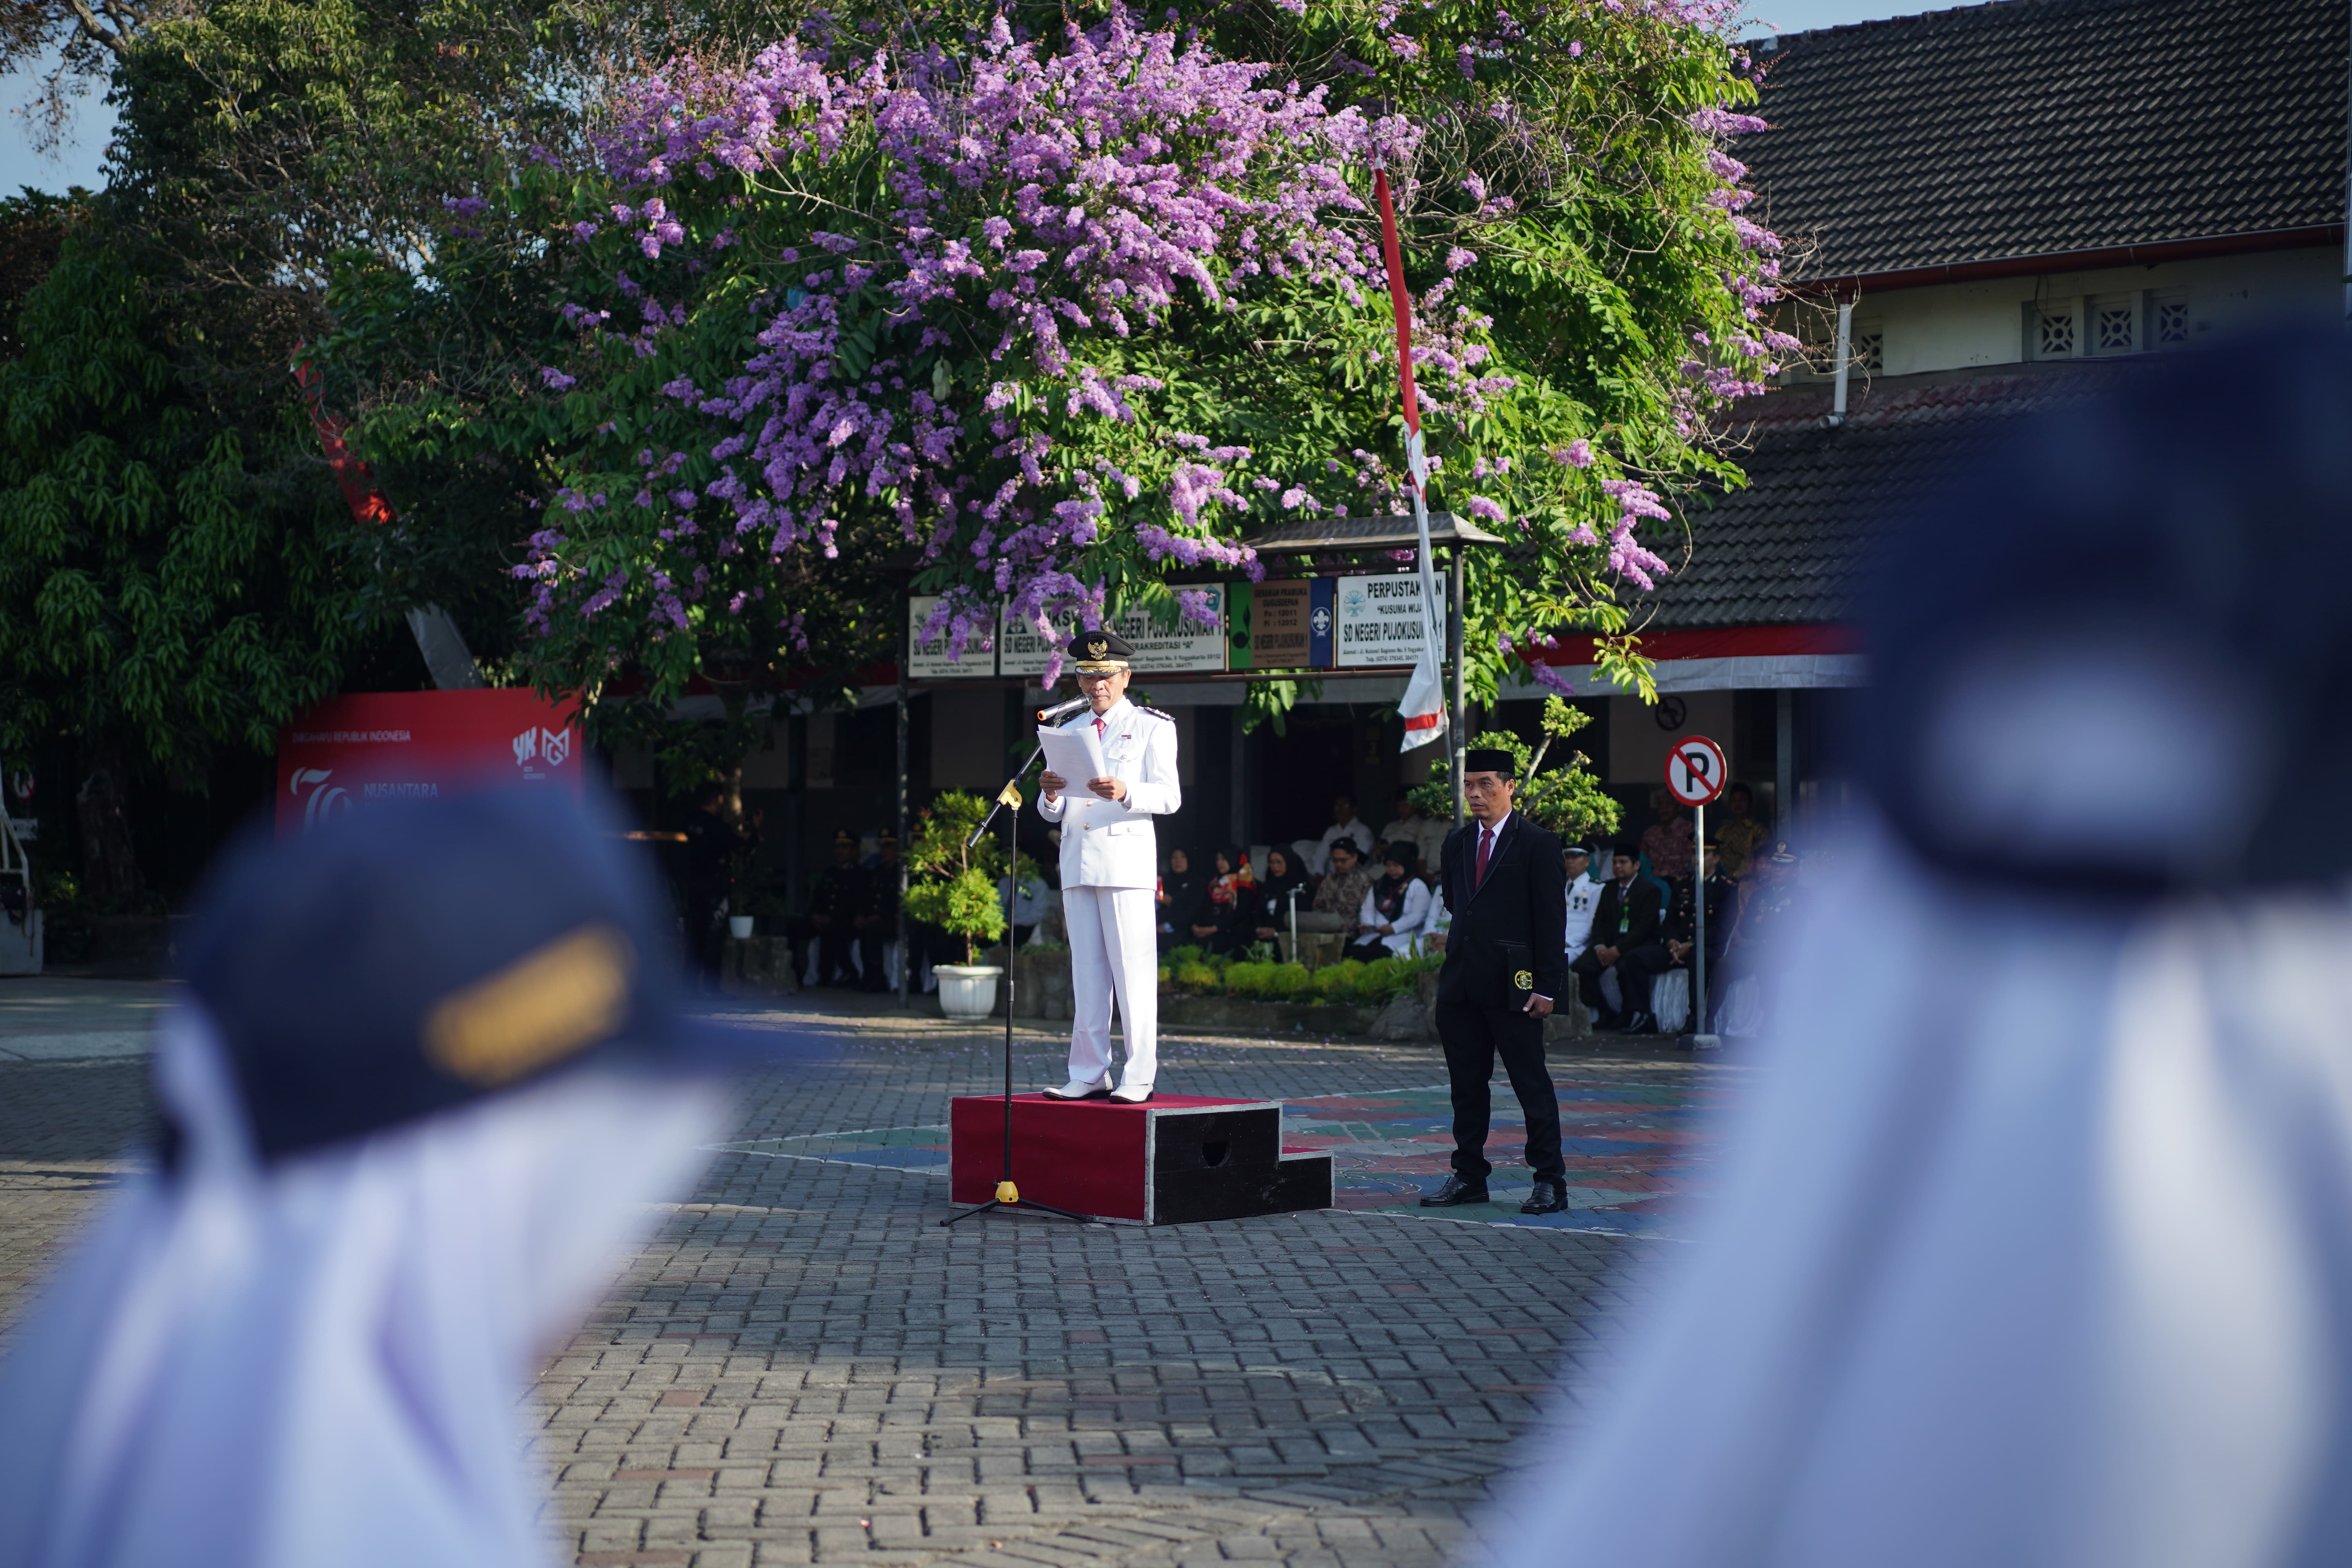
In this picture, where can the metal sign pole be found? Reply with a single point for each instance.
(1696, 771)
(1698, 958)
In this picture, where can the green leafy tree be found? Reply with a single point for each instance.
(1565, 797)
(953, 884)
(754, 370)
(175, 576)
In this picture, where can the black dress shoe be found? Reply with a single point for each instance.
(1550, 1196)
(1641, 1024)
(1605, 1022)
(1454, 1192)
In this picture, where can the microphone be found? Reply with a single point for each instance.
(1047, 715)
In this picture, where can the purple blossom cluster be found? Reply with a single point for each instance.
(1036, 207)
(953, 348)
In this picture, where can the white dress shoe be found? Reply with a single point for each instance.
(1131, 1093)
(1077, 1090)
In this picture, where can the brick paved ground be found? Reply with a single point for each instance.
(805, 1367)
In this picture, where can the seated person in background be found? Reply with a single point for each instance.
(1667, 841)
(1625, 938)
(1283, 882)
(1179, 895)
(1345, 824)
(1739, 833)
(1225, 920)
(1394, 908)
(1029, 900)
(1583, 898)
(1756, 914)
(1339, 895)
(1408, 826)
(1439, 921)
(1682, 916)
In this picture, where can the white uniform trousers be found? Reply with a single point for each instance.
(1112, 949)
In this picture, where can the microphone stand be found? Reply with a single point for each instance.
(1008, 1196)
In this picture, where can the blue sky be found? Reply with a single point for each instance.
(76, 162)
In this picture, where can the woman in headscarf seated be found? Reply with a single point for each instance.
(1180, 894)
(1284, 879)
(1394, 907)
(1225, 920)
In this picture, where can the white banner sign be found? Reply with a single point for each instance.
(1188, 646)
(1381, 621)
(929, 660)
(1019, 649)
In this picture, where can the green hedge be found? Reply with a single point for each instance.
(1350, 981)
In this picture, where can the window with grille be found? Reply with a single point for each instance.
(2168, 320)
(2054, 332)
(2114, 326)
(1870, 350)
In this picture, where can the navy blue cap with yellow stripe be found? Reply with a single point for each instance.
(419, 956)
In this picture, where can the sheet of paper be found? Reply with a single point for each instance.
(1076, 754)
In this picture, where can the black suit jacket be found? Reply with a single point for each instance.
(1643, 923)
(1523, 899)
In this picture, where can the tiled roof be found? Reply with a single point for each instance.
(2043, 127)
(1786, 549)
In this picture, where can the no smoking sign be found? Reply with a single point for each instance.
(1696, 771)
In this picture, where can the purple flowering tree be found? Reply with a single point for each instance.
(1057, 318)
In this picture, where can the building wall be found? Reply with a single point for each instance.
(1959, 325)
(1638, 743)
(967, 737)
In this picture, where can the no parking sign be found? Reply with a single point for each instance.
(1696, 770)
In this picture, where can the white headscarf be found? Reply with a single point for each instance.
(2033, 1248)
(322, 1363)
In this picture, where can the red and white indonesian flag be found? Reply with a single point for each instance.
(1423, 708)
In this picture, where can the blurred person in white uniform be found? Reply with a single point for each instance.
(1583, 897)
(426, 1076)
(1110, 869)
(2034, 1242)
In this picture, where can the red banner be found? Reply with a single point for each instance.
(1399, 302)
(368, 747)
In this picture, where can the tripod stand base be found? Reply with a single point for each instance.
(1014, 1205)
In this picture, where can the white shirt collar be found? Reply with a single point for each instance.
(1497, 829)
(1089, 716)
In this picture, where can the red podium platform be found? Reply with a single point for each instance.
(1174, 1159)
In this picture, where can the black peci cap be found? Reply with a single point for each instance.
(1489, 760)
(415, 957)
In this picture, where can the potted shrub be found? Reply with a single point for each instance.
(954, 888)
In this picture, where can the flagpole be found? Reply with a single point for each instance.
(1423, 709)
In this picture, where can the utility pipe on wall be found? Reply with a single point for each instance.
(1844, 360)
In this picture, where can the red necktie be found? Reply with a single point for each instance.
(1485, 847)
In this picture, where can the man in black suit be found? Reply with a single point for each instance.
(1501, 876)
(1626, 937)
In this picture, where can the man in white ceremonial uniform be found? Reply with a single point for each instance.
(1111, 866)
(1583, 897)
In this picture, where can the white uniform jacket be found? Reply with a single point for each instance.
(1110, 842)
(1409, 922)
(1583, 897)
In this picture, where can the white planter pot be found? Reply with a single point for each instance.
(967, 990)
(739, 927)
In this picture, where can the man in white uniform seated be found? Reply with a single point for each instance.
(1111, 866)
(1345, 824)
